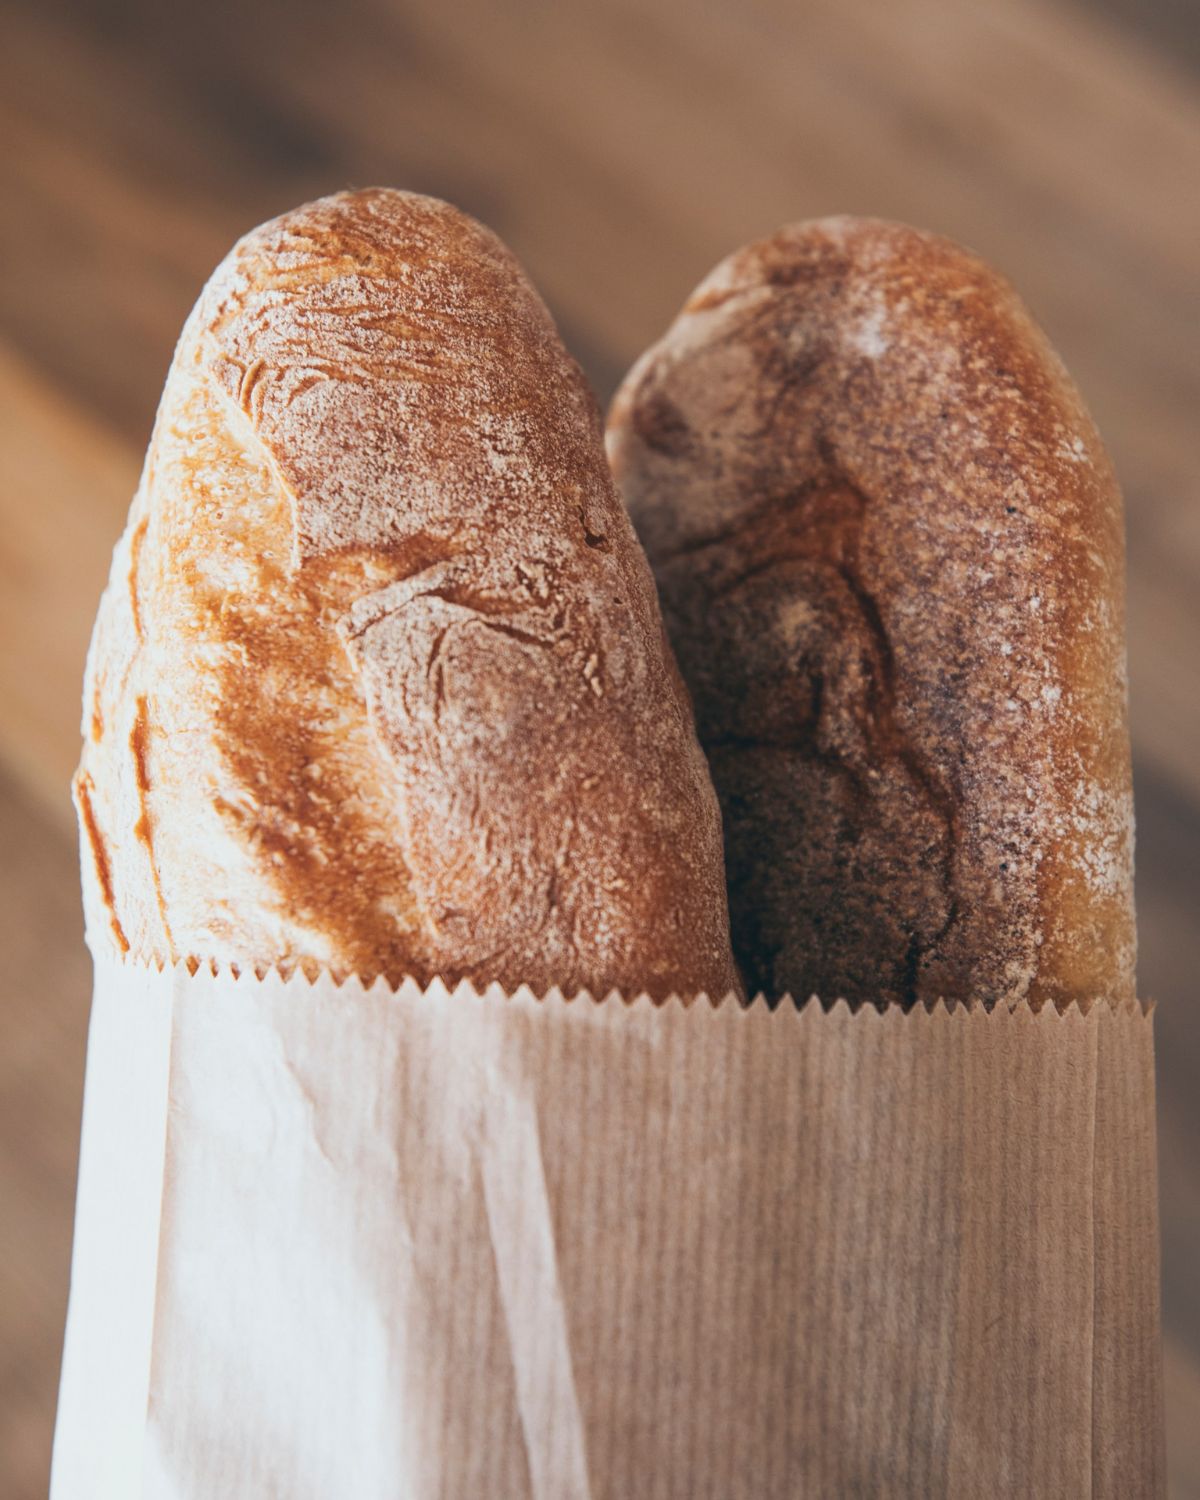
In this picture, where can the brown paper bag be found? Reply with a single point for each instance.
(336, 1242)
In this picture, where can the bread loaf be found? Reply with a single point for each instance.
(379, 680)
(889, 546)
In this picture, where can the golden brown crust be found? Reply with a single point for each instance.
(890, 550)
(380, 680)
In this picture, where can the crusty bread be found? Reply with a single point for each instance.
(379, 680)
(890, 550)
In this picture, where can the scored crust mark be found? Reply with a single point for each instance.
(101, 868)
(143, 829)
(137, 537)
(890, 553)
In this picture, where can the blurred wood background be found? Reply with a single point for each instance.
(621, 147)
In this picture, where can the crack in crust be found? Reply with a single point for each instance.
(844, 745)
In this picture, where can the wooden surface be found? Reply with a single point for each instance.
(621, 147)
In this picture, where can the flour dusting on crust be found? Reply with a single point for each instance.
(890, 550)
(379, 680)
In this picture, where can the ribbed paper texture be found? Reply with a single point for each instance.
(335, 1242)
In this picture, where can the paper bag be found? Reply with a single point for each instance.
(345, 1242)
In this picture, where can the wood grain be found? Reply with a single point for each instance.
(621, 148)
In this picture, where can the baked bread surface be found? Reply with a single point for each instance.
(379, 679)
(890, 550)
